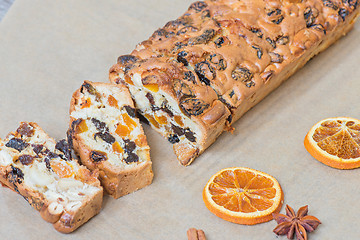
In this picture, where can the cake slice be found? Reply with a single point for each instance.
(43, 172)
(107, 136)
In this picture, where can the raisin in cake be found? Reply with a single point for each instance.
(43, 172)
(204, 70)
(106, 134)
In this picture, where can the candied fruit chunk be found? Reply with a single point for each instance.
(178, 120)
(63, 170)
(117, 148)
(152, 120)
(161, 119)
(98, 156)
(113, 102)
(140, 141)
(122, 130)
(129, 121)
(152, 87)
(86, 103)
(128, 80)
(81, 127)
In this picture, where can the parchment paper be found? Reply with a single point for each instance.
(47, 48)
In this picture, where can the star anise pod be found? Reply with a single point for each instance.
(298, 224)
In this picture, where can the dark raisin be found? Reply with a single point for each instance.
(276, 58)
(127, 60)
(101, 126)
(98, 156)
(343, 13)
(16, 175)
(193, 106)
(204, 38)
(168, 111)
(218, 61)
(190, 135)
(257, 31)
(26, 159)
(69, 136)
(205, 14)
(37, 148)
(205, 72)
(198, 6)
(17, 144)
(267, 75)
(106, 136)
(352, 3)
(150, 97)
(52, 155)
(187, 30)
(160, 33)
(129, 146)
(173, 139)
(64, 147)
(181, 88)
(219, 42)
(242, 74)
(282, 40)
(229, 119)
(309, 17)
(275, 15)
(130, 111)
(189, 76)
(131, 157)
(330, 4)
(179, 45)
(181, 58)
(272, 42)
(177, 130)
(25, 130)
(150, 79)
(319, 27)
(47, 163)
(258, 50)
(250, 84)
(90, 89)
(231, 94)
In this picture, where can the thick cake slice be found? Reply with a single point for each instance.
(201, 72)
(43, 172)
(106, 134)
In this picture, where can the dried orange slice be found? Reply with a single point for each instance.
(243, 195)
(335, 142)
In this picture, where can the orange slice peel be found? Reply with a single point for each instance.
(243, 195)
(335, 142)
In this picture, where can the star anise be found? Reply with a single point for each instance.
(298, 224)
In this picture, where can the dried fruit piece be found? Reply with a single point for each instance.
(189, 76)
(219, 42)
(161, 119)
(152, 120)
(181, 58)
(205, 72)
(16, 175)
(130, 123)
(107, 137)
(117, 148)
(182, 89)
(81, 126)
(26, 159)
(86, 103)
(258, 50)
(271, 42)
(275, 15)
(112, 102)
(129, 145)
(282, 40)
(275, 57)
(17, 144)
(198, 6)
(204, 38)
(218, 61)
(152, 87)
(173, 138)
(101, 126)
(131, 111)
(25, 130)
(178, 120)
(62, 169)
(122, 130)
(193, 106)
(131, 158)
(98, 156)
(64, 147)
(242, 74)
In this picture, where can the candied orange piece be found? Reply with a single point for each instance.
(122, 130)
(179, 121)
(81, 127)
(86, 103)
(152, 120)
(113, 102)
(128, 80)
(62, 169)
(129, 121)
(152, 87)
(140, 141)
(243, 195)
(161, 119)
(117, 148)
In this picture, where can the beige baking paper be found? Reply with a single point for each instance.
(47, 48)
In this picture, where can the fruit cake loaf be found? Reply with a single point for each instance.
(43, 172)
(204, 70)
(107, 136)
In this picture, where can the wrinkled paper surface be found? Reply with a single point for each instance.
(47, 49)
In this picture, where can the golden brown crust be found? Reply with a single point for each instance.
(234, 52)
(48, 210)
(116, 180)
